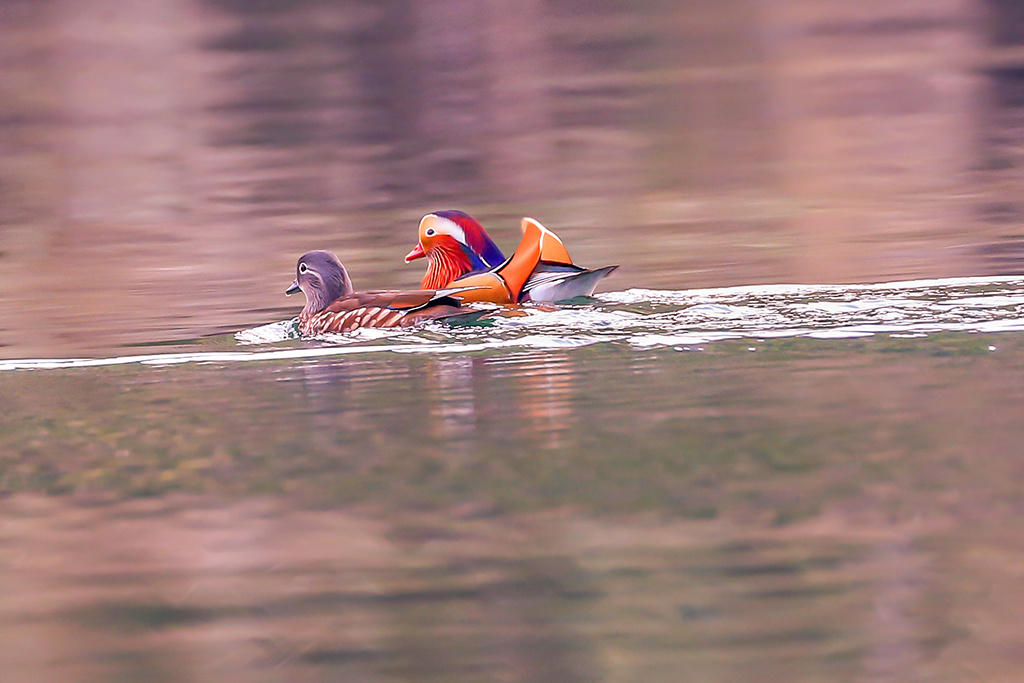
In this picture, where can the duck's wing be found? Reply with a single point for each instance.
(538, 243)
(399, 300)
(387, 309)
(541, 269)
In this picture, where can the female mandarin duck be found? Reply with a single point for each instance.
(333, 306)
(460, 251)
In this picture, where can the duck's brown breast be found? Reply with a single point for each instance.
(346, 321)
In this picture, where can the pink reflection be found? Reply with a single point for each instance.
(544, 384)
(452, 398)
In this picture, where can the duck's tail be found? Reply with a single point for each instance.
(555, 282)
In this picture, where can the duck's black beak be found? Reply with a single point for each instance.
(293, 288)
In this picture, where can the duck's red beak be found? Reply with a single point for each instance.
(416, 253)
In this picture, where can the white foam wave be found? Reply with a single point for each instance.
(646, 319)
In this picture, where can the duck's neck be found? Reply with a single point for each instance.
(315, 302)
(334, 285)
(446, 262)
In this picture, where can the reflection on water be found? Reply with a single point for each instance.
(824, 508)
(176, 591)
(703, 474)
(544, 391)
(453, 403)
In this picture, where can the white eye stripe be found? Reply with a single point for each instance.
(303, 268)
(444, 226)
(456, 231)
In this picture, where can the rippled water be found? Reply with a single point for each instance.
(681, 479)
(644, 318)
(792, 483)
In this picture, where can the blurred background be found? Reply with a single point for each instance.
(162, 164)
(671, 483)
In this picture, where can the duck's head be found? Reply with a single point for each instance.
(458, 235)
(322, 278)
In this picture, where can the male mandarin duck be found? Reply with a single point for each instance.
(460, 252)
(333, 306)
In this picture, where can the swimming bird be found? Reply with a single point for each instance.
(332, 305)
(460, 252)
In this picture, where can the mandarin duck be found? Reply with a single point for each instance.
(333, 306)
(461, 253)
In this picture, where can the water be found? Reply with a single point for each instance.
(707, 472)
(644, 318)
(782, 483)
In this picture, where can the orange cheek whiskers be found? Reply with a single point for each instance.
(445, 264)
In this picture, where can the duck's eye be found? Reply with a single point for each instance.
(430, 232)
(302, 268)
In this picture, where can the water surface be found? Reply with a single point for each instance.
(788, 483)
(782, 444)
